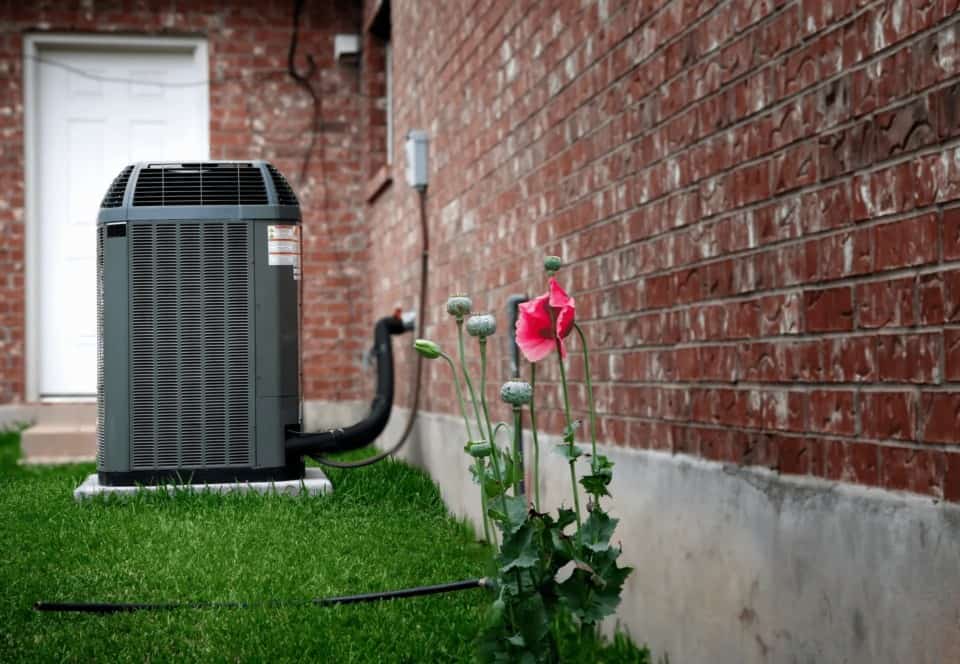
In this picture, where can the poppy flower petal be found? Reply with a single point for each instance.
(565, 319)
(535, 351)
(558, 296)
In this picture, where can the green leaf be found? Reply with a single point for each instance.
(516, 640)
(597, 531)
(519, 550)
(594, 596)
(569, 452)
(601, 465)
(563, 549)
(565, 517)
(515, 516)
(602, 474)
(595, 485)
(570, 430)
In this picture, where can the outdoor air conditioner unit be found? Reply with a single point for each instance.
(197, 324)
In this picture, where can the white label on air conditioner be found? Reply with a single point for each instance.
(283, 246)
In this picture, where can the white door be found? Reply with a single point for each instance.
(97, 110)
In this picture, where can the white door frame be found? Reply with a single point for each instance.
(33, 44)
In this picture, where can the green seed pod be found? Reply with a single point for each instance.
(480, 449)
(459, 306)
(481, 325)
(516, 392)
(427, 348)
(552, 263)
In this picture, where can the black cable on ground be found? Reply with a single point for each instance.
(418, 370)
(111, 607)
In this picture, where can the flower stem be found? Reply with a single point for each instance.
(486, 415)
(456, 386)
(593, 408)
(536, 443)
(466, 376)
(480, 464)
(566, 408)
(517, 452)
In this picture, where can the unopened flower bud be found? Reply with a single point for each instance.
(552, 263)
(458, 306)
(427, 348)
(516, 392)
(481, 325)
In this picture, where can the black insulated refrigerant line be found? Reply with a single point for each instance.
(112, 607)
(320, 443)
(366, 430)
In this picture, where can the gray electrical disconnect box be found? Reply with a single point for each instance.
(197, 358)
(417, 148)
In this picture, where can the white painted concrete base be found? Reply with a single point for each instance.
(314, 483)
(742, 566)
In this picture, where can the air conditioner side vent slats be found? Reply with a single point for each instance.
(190, 349)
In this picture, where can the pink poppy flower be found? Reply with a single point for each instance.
(544, 323)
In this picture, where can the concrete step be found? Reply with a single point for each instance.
(83, 412)
(63, 433)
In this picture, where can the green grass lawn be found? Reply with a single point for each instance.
(384, 527)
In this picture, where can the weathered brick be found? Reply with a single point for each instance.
(797, 456)
(886, 303)
(832, 411)
(940, 416)
(909, 242)
(951, 351)
(908, 358)
(920, 471)
(939, 295)
(853, 462)
(850, 359)
(951, 477)
(951, 234)
(886, 415)
(905, 129)
(828, 310)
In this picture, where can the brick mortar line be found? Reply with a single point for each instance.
(440, 72)
(920, 270)
(783, 339)
(801, 287)
(869, 387)
(621, 216)
(744, 121)
(481, 68)
(883, 442)
(694, 186)
(872, 222)
(773, 63)
(558, 66)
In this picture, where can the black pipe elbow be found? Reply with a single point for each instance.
(368, 429)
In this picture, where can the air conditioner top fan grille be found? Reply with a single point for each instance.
(114, 195)
(211, 183)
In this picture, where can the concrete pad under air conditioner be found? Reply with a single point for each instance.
(314, 483)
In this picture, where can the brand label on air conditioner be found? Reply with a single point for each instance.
(283, 246)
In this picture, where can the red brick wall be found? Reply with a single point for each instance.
(256, 111)
(760, 202)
